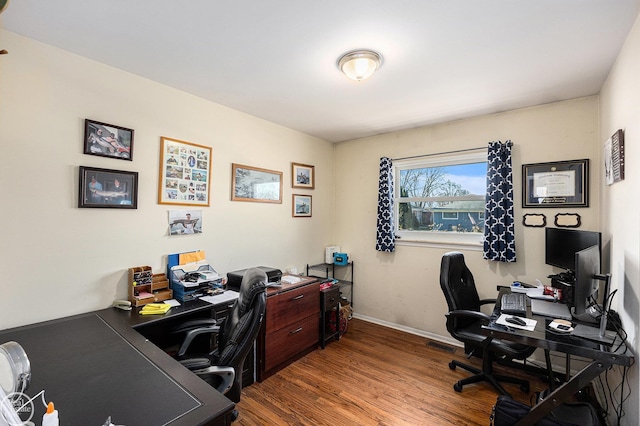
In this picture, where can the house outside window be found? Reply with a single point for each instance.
(441, 199)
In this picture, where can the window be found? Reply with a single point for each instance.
(440, 199)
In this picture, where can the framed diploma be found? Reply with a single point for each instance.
(558, 184)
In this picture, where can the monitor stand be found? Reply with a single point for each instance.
(593, 333)
(590, 315)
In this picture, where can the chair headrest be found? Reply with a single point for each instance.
(254, 282)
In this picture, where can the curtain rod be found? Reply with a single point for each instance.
(509, 143)
(440, 153)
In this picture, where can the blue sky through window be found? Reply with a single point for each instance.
(472, 177)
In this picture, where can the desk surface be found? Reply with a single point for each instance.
(602, 357)
(544, 338)
(95, 365)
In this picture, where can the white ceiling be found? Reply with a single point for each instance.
(443, 59)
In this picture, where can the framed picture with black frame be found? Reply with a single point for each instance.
(556, 184)
(108, 140)
(105, 188)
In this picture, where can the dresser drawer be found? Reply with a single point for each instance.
(290, 307)
(289, 341)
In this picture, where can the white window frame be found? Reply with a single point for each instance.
(454, 215)
(455, 240)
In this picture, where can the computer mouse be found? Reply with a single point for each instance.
(516, 320)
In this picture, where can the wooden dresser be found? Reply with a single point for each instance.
(291, 326)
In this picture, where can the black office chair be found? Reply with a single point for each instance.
(222, 368)
(464, 321)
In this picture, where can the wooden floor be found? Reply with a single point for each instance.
(373, 376)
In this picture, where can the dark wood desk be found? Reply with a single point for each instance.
(96, 365)
(601, 356)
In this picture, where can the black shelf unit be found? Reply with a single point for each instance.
(330, 315)
(328, 271)
(332, 297)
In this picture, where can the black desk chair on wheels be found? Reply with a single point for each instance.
(222, 368)
(464, 322)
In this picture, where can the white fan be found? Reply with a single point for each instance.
(15, 375)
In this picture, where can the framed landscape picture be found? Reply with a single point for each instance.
(302, 176)
(185, 173)
(105, 188)
(255, 184)
(301, 205)
(108, 140)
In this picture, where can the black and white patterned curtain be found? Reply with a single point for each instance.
(499, 227)
(385, 240)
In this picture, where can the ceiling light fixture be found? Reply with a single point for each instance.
(360, 64)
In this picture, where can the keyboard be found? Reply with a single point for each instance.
(514, 303)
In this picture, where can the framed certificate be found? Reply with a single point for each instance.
(558, 184)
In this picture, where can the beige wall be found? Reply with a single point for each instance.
(57, 260)
(620, 207)
(402, 288)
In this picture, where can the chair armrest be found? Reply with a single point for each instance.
(469, 314)
(487, 301)
(188, 325)
(192, 334)
(226, 374)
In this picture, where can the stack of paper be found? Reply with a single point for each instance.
(155, 309)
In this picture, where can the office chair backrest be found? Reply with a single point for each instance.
(458, 286)
(241, 326)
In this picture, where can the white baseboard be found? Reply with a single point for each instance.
(443, 339)
(557, 359)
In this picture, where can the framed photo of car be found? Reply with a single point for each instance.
(108, 140)
(302, 176)
(105, 188)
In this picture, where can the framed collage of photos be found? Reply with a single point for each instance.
(185, 173)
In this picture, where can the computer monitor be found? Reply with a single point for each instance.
(561, 246)
(586, 285)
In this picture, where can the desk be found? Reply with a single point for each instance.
(602, 357)
(95, 365)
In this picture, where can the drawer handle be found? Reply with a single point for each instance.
(297, 330)
(298, 297)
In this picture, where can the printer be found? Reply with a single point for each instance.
(234, 279)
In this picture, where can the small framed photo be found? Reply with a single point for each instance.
(108, 140)
(185, 173)
(302, 176)
(557, 184)
(301, 205)
(104, 188)
(255, 184)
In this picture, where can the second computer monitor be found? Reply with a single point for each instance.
(586, 285)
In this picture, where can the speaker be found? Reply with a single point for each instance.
(340, 258)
